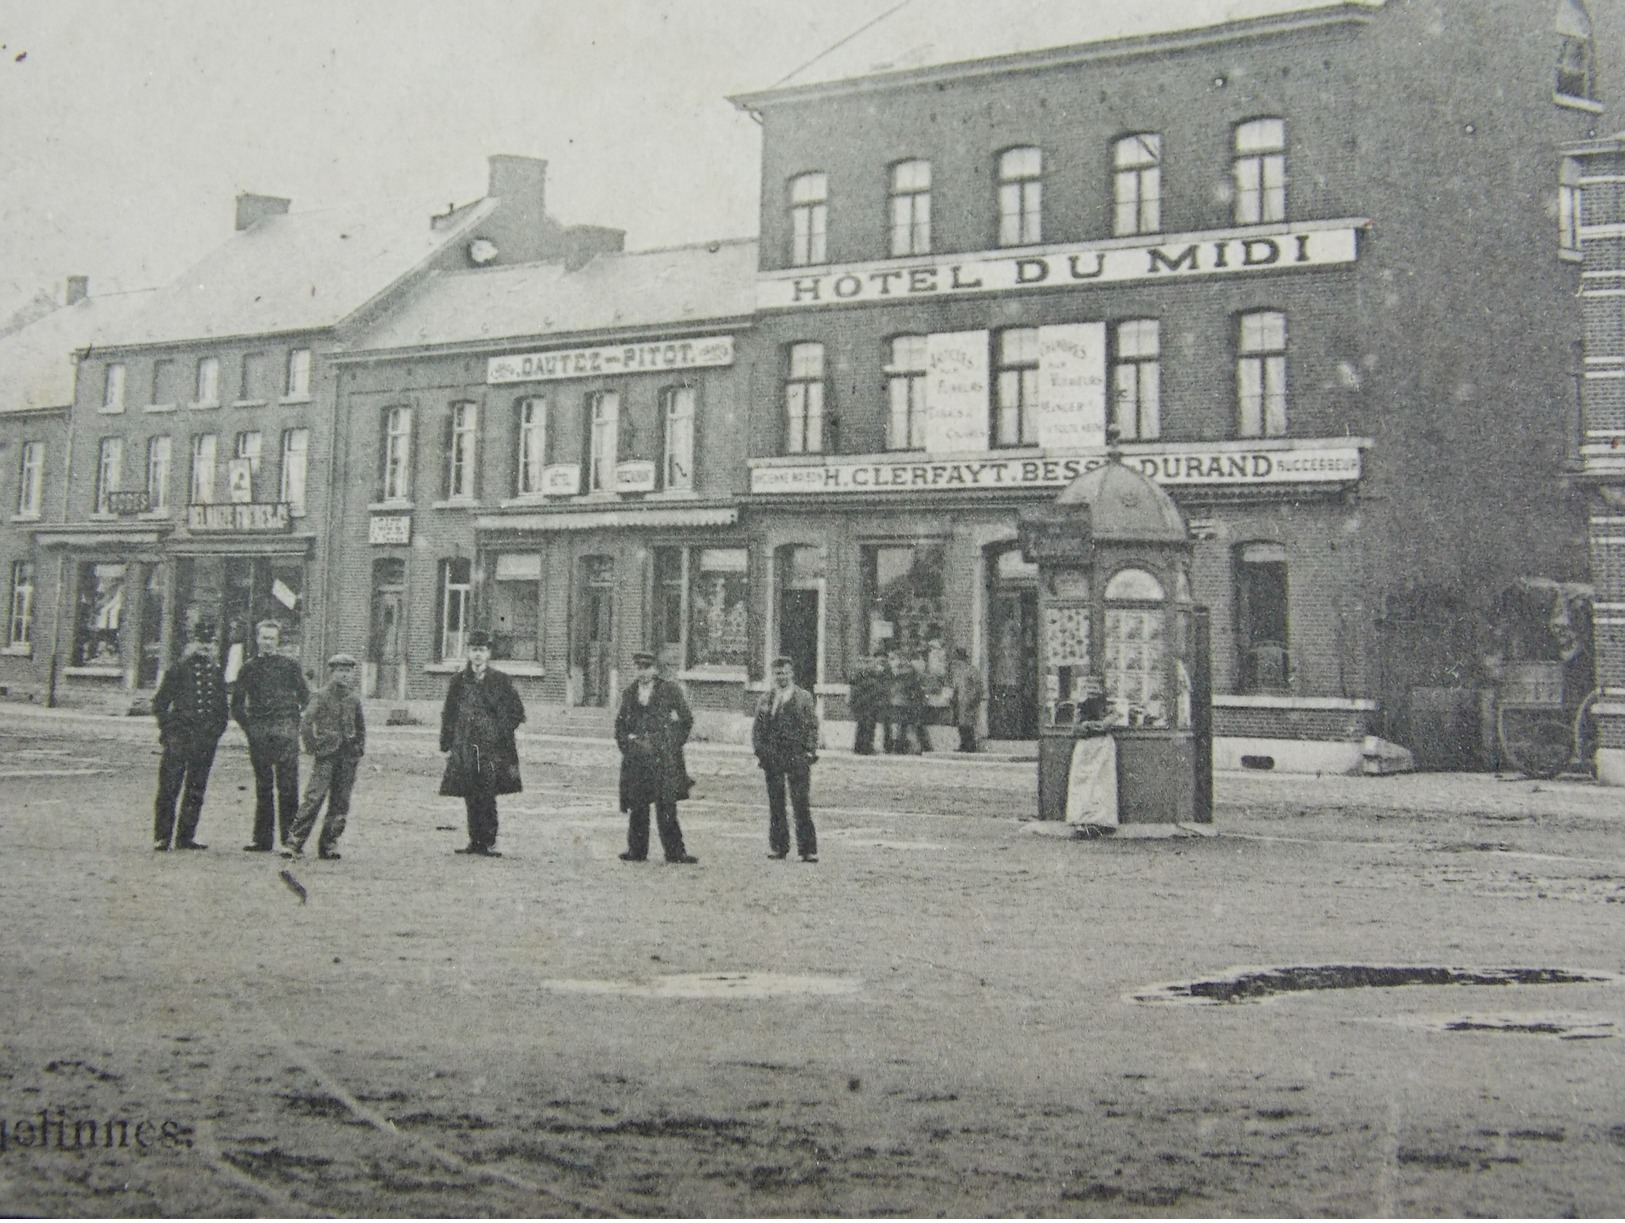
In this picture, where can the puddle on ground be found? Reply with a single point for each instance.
(712, 985)
(1256, 984)
(1562, 1025)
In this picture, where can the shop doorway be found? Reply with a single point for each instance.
(801, 574)
(595, 631)
(1012, 681)
(386, 667)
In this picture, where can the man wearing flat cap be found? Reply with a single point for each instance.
(477, 725)
(785, 737)
(334, 731)
(651, 728)
(190, 706)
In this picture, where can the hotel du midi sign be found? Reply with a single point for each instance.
(1171, 257)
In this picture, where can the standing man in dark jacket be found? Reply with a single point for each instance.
(868, 697)
(191, 710)
(477, 723)
(785, 736)
(651, 728)
(334, 730)
(268, 698)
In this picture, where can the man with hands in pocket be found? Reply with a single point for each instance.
(785, 736)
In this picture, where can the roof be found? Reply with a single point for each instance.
(922, 34)
(301, 271)
(666, 288)
(1126, 506)
(37, 363)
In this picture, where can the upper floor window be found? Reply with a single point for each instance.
(297, 385)
(905, 390)
(295, 464)
(804, 400)
(158, 463)
(531, 427)
(109, 471)
(677, 424)
(911, 208)
(1260, 171)
(30, 479)
(1015, 419)
(113, 387)
(164, 392)
(208, 382)
(809, 217)
(203, 465)
(462, 434)
(252, 388)
(1137, 380)
(1576, 51)
(1261, 374)
(1568, 205)
(395, 455)
(1137, 162)
(1021, 196)
(603, 440)
(20, 632)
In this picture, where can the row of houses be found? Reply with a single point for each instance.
(1317, 273)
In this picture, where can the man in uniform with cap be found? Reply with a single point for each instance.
(785, 737)
(477, 725)
(190, 706)
(651, 728)
(335, 732)
(266, 702)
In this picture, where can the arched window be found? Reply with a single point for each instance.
(1260, 171)
(1134, 647)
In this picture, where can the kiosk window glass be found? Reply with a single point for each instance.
(1134, 648)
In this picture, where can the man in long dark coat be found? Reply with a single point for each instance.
(477, 724)
(190, 706)
(651, 728)
(785, 738)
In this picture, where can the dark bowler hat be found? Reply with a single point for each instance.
(643, 656)
(784, 660)
(478, 638)
(203, 630)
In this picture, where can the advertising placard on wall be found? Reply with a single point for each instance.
(956, 392)
(1072, 386)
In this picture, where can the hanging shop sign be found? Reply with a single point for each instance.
(244, 518)
(1304, 465)
(635, 476)
(389, 529)
(1171, 257)
(561, 480)
(611, 359)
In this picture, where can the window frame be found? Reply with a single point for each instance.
(908, 207)
(160, 468)
(603, 448)
(251, 378)
(496, 583)
(462, 594)
(1264, 412)
(1258, 171)
(809, 218)
(679, 417)
(906, 381)
(294, 472)
(396, 430)
(30, 479)
(1021, 374)
(296, 375)
(460, 480)
(806, 398)
(1570, 204)
(1019, 197)
(206, 383)
(20, 619)
(1137, 184)
(679, 582)
(1130, 359)
(532, 444)
(115, 380)
(109, 470)
(196, 485)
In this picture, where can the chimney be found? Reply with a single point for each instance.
(78, 289)
(521, 180)
(251, 209)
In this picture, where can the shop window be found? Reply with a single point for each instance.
(905, 390)
(903, 593)
(1261, 374)
(208, 383)
(809, 218)
(1576, 52)
(702, 607)
(1568, 206)
(670, 603)
(1261, 618)
(201, 491)
(459, 446)
(1137, 380)
(100, 614)
(1137, 184)
(532, 446)
(295, 465)
(31, 479)
(516, 607)
(677, 437)
(20, 634)
(159, 458)
(911, 208)
(1021, 197)
(456, 596)
(804, 400)
(109, 471)
(1134, 648)
(164, 391)
(113, 387)
(297, 384)
(1015, 421)
(236, 592)
(395, 455)
(252, 388)
(603, 440)
(1260, 171)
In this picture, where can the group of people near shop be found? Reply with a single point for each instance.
(272, 701)
(888, 692)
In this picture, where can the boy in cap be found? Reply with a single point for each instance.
(334, 731)
(190, 706)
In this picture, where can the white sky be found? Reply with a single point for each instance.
(129, 125)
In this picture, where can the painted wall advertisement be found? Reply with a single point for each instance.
(956, 392)
(1072, 386)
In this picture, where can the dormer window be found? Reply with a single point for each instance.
(1576, 51)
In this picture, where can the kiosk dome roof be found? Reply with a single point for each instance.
(1126, 505)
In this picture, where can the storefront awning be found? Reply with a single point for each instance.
(606, 519)
(240, 545)
(100, 535)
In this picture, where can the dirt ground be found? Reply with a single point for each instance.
(939, 1018)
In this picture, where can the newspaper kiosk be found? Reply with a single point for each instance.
(1124, 699)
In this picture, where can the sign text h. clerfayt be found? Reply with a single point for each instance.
(1316, 244)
